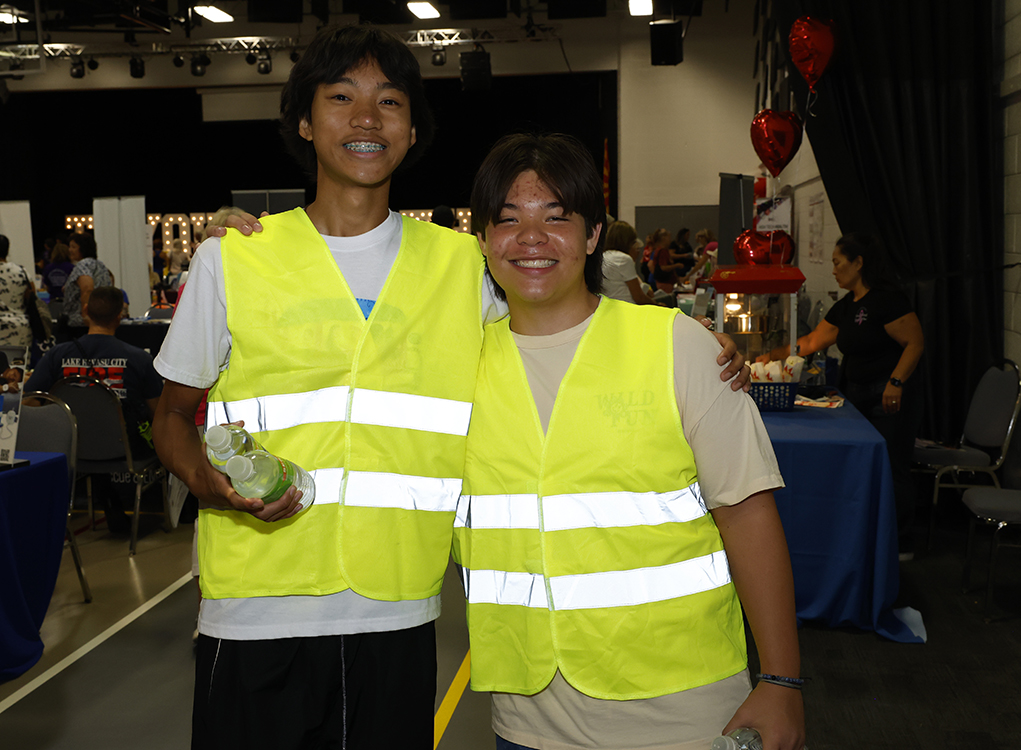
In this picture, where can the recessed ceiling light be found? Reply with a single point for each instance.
(423, 10)
(640, 7)
(214, 14)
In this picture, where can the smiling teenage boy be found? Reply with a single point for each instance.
(335, 336)
(617, 506)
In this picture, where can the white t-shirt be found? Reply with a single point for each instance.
(197, 350)
(734, 460)
(618, 270)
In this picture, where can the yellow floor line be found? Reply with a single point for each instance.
(454, 693)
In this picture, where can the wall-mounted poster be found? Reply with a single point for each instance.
(12, 378)
(773, 213)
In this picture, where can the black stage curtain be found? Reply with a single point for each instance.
(907, 132)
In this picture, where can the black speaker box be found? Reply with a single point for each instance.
(476, 73)
(666, 40)
(275, 11)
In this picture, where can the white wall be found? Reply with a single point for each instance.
(681, 126)
(812, 223)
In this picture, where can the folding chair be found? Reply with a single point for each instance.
(995, 507)
(983, 447)
(52, 428)
(103, 445)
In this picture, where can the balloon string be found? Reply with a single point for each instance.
(813, 97)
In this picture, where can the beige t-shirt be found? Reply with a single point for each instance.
(734, 460)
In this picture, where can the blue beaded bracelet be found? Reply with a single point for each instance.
(791, 682)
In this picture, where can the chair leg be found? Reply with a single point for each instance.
(932, 512)
(135, 517)
(88, 496)
(76, 555)
(167, 524)
(992, 560)
(966, 577)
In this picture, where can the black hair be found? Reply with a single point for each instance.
(86, 244)
(333, 52)
(5, 247)
(875, 270)
(565, 166)
(444, 216)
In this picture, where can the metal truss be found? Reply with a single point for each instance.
(449, 37)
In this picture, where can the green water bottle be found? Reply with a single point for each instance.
(224, 441)
(263, 475)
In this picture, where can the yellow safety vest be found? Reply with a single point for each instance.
(377, 410)
(589, 549)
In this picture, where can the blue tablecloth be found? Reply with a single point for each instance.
(33, 516)
(839, 517)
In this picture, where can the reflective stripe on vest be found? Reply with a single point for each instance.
(619, 588)
(382, 408)
(599, 510)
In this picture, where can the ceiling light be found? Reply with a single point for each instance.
(439, 55)
(214, 14)
(13, 18)
(77, 67)
(423, 10)
(137, 67)
(265, 66)
(637, 7)
(178, 61)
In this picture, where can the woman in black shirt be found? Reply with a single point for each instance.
(881, 340)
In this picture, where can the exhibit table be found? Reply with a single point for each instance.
(839, 517)
(33, 519)
(145, 334)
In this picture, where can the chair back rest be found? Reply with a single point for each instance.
(49, 428)
(994, 408)
(102, 433)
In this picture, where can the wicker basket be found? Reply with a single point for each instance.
(774, 396)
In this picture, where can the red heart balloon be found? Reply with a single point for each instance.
(781, 247)
(762, 248)
(776, 137)
(811, 45)
(751, 248)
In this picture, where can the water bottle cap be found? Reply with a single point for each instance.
(725, 743)
(217, 437)
(240, 467)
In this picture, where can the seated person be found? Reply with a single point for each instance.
(126, 369)
(617, 509)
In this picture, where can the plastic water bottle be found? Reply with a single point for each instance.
(224, 441)
(263, 475)
(743, 738)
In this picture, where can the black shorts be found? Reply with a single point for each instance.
(371, 691)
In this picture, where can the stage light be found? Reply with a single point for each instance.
(137, 67)
(439, 55)
(250, 58)
(295, 56)
(199, 63)
(423, 10)
(178, 61)
(640, 7)
(77, 67)
(213, 14)
(265, 66)
(93, 63)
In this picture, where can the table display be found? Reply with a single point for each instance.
(839, 516)
(33, 519)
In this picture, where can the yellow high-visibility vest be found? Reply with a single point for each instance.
(589, 549)
(377, 410)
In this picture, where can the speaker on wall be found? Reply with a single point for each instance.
(275, 11)
(476, 73)
(666, 41)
